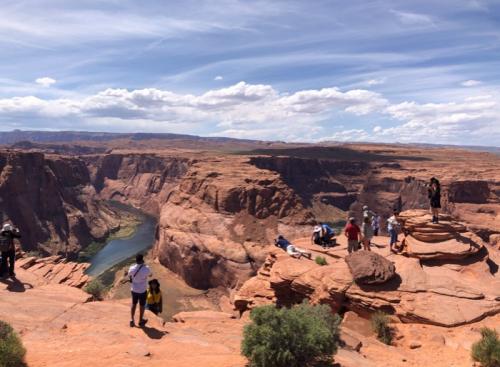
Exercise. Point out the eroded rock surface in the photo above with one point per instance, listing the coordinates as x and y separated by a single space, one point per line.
446 240
448 294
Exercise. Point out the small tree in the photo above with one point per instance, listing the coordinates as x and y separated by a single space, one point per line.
295 337
380 325
320 260
487 350
11 349
95 288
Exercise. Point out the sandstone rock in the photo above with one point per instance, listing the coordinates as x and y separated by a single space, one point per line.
446 240
368 267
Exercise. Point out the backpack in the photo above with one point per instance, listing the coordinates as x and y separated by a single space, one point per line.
5 243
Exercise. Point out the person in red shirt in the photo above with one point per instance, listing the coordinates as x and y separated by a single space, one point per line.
353 234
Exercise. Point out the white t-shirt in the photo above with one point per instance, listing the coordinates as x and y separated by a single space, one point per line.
139 277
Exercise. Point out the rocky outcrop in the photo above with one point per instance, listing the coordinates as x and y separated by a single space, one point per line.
447 239
369 267
56 270
435 293
52 201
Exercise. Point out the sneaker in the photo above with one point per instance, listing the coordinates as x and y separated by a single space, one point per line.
143 322
132 323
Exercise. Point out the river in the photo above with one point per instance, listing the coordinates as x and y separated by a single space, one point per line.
119 250
119 253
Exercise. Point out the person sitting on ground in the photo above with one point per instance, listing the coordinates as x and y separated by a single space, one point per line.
323 235
8 249
154 302
434 193
353 234
393 227
290 249
367 233
376 224
138 276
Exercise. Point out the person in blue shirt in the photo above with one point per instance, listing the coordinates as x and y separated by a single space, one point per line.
290 249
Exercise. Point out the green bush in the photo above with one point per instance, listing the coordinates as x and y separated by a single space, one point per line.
380 325
320 260
297 337
487 350
11 349
95 288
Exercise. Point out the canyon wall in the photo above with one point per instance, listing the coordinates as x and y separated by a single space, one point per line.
52 201
219 213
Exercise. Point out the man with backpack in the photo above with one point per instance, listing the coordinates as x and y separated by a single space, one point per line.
8 249
138 275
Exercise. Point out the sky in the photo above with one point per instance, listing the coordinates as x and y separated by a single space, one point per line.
382 71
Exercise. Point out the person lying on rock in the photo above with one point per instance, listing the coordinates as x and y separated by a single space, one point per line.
434 193
154 302
353 234
138 275
290 249
393 228
323 235
8 249
366 233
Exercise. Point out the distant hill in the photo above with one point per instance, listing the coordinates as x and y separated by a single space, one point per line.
15 136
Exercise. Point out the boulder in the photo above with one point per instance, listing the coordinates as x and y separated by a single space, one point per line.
368 267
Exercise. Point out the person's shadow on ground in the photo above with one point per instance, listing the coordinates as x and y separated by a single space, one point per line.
153 333
15 285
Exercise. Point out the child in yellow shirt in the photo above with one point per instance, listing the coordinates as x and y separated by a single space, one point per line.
154 301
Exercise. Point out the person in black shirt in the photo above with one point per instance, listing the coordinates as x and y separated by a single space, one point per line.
435 198
8 249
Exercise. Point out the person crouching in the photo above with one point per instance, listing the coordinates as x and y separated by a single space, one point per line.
154 302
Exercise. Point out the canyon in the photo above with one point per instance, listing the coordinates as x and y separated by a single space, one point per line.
219 207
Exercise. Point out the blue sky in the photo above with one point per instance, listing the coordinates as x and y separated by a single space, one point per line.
386 71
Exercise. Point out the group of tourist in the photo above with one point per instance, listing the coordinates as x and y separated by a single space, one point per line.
324 235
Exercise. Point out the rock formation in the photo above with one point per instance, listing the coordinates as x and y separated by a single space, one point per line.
441 291
369 267
53 203
56 270
445 240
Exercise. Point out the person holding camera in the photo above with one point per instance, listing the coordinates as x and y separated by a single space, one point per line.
8 249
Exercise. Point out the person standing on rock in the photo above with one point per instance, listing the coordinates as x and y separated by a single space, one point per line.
367 233
392 227
8 249
353 234
435 198
138 275
367 213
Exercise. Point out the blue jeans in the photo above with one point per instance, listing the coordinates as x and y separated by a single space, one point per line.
394 236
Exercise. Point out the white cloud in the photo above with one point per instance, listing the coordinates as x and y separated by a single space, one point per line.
413 19
471 83
218 77
260 111
378 81
45 81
